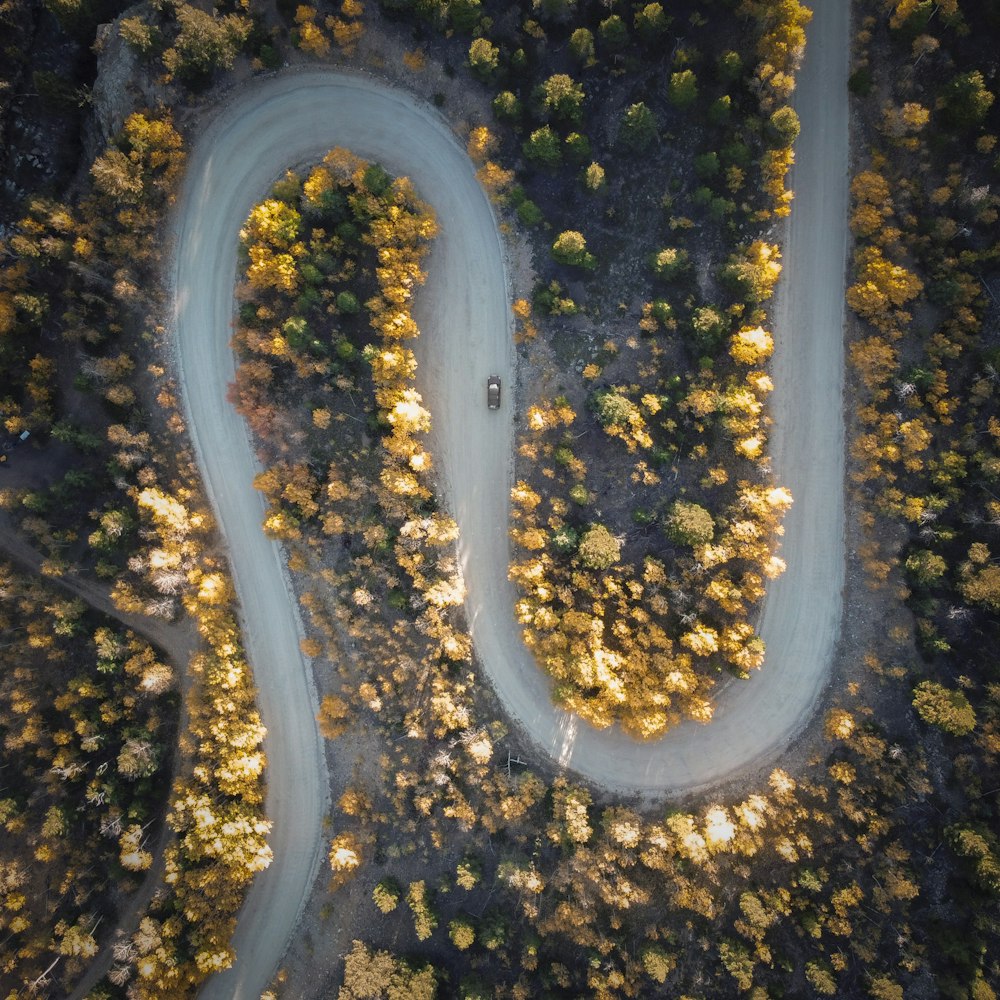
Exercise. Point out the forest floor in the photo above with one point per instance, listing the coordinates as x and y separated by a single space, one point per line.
384 54
330 922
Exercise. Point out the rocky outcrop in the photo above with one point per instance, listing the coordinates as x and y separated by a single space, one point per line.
123 85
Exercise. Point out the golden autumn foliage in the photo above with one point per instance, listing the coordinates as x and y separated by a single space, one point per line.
310 35
379 973
751 346
592 626
418 544
482 144
881 290
347 29
633 634
346 856
88 714
644 894
149 539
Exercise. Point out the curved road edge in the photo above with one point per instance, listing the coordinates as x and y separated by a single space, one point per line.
464 314
802 613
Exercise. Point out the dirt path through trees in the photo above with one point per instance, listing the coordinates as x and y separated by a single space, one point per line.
178 641
464 314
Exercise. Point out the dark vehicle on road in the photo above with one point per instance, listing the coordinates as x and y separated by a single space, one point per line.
493 392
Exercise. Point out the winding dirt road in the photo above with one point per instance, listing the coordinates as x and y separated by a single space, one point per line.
463 312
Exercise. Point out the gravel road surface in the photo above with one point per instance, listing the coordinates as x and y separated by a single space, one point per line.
463 311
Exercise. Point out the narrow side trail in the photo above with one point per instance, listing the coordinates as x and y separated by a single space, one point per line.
463 312
178 641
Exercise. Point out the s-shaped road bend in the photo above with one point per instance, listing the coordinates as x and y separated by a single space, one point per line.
464 315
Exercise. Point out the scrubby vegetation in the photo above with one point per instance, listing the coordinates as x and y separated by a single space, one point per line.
926 445
88 720
633 615
349 234
216 801
863 875
117 497
646 148
816 856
